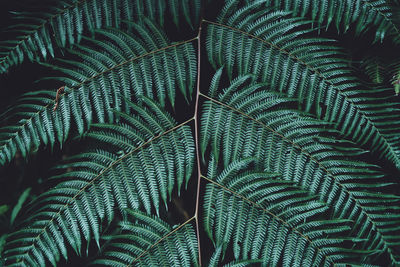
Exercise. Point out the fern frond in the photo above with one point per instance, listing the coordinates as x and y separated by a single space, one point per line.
271 46
302 154
216 258
246 120
95 183
148 241
241 204
360 15
103 75
394 73
375 68
34 125
63 24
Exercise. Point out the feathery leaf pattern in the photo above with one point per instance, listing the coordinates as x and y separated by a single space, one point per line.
201 133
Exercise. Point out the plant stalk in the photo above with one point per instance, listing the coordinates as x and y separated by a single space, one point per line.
196 132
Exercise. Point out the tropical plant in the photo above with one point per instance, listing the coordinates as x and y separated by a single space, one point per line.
189 133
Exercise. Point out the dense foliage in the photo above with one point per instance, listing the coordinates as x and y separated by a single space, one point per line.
189 132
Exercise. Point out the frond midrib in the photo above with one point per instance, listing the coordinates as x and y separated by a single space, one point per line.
307 66
376 229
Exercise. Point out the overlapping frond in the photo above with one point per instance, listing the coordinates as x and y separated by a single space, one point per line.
360 15
149 241
40 33
215 260
247 120
272 47
141 160
287 131
241 204
394 72
375 68
121 67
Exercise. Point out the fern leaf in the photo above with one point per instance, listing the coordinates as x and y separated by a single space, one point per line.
271 47
374 67
215 260
245 202
394 73
147 240
359 15
122 63
99 181
68 20
261 124
288 132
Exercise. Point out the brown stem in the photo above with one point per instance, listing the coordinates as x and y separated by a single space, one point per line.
196 133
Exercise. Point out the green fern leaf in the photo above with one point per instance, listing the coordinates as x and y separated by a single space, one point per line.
241 202
100 181
123 63
216 258
302 156
345 15
146 240
374 67
271 46
299 147
394 73
69 19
